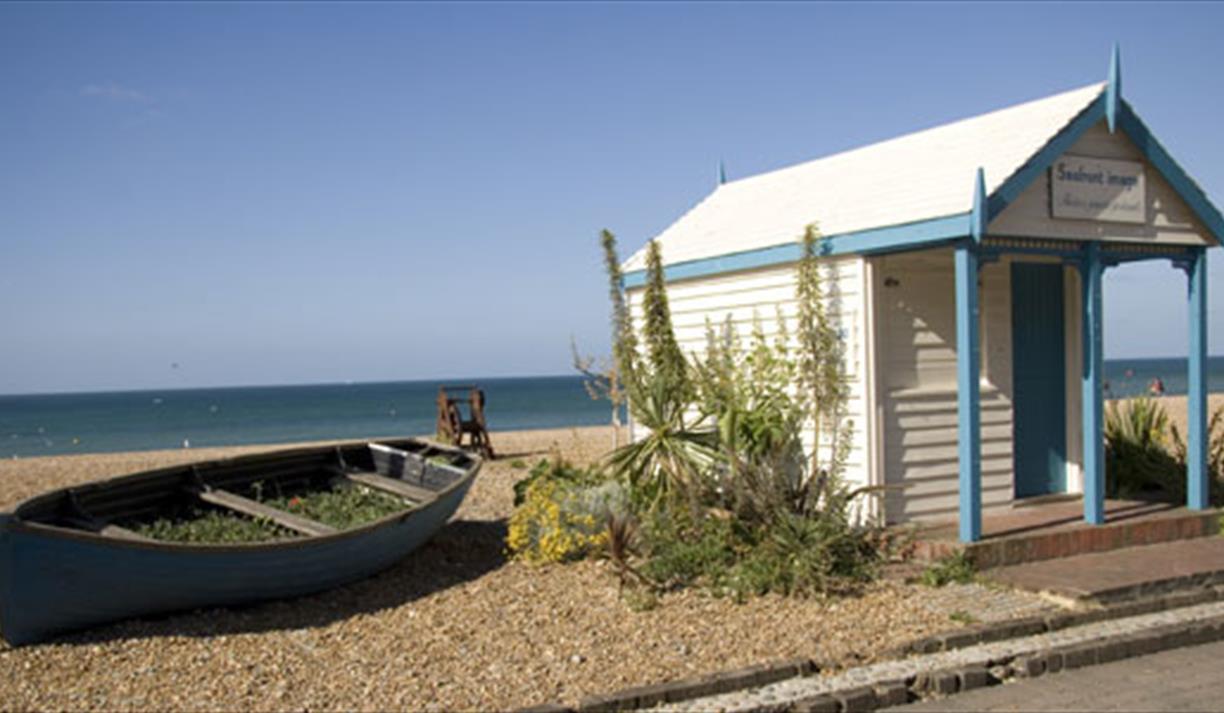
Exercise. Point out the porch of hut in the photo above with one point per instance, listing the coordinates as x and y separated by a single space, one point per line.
1051 253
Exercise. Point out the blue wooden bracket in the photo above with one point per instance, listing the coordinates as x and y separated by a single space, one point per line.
1113 92
979 218
1185 263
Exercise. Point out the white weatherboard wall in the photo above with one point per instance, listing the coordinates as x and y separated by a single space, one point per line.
760 294
916 304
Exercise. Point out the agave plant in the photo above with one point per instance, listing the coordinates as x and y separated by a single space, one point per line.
673 458
1215 453
1137 456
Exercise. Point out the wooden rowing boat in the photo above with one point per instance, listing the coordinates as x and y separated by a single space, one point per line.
72 558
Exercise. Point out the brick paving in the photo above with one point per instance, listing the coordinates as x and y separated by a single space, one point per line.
1059 515
1121 574
1179 680
1057 529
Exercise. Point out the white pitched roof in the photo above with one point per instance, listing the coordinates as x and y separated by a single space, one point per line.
928 174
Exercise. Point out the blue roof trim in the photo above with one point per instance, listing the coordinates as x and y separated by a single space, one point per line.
1181 182
863 242
1113 91
978 218
1016 184
1134 128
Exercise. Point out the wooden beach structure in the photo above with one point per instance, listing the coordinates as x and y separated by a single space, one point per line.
71 558
965 267
453 425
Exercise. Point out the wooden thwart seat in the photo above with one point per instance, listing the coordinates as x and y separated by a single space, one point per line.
246 506
115 531
415 493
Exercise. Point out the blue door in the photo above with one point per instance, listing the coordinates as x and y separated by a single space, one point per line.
1039 379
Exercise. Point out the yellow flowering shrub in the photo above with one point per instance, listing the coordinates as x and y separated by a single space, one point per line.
552 526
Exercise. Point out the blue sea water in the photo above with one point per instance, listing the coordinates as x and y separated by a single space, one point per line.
51 424
1131 377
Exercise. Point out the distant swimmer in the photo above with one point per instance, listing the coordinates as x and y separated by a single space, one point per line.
1156 388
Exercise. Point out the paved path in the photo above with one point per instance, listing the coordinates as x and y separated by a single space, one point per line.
1180 680
794 689
1106 576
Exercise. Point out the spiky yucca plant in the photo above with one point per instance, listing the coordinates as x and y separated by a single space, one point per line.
1138 460
675 453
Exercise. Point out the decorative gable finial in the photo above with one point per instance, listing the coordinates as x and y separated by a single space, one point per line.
978 218
1113 92
722 172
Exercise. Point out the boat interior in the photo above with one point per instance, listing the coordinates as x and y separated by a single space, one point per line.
411 470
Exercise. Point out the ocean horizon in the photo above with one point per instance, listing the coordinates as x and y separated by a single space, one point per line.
155 419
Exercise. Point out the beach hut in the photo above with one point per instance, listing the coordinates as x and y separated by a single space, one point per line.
965 263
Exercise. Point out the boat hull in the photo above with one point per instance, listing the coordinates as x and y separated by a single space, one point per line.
54 580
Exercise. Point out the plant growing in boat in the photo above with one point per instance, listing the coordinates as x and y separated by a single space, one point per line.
198 526
341 507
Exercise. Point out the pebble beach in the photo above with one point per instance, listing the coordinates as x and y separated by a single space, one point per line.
455 626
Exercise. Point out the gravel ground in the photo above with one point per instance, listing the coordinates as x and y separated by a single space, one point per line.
453 627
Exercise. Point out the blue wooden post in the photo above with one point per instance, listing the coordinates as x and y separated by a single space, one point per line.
967 403
1091 274
1198 494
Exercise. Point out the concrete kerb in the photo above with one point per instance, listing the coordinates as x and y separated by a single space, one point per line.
1027 626
685 689
951 681
943 682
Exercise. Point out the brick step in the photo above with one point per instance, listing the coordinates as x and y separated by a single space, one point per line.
1122 574
1019 544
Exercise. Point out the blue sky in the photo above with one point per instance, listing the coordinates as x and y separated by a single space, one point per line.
290 193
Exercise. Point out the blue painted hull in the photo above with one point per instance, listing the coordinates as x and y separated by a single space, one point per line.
54 580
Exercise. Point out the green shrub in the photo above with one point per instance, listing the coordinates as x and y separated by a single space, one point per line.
1215 454
681 549
1138 458
341 508
728 496
562 512
790 554
201 526
556 469
960 616
956 568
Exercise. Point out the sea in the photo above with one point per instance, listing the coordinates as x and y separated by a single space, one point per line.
99 422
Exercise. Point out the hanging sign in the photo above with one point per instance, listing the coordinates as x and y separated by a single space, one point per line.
1085 188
